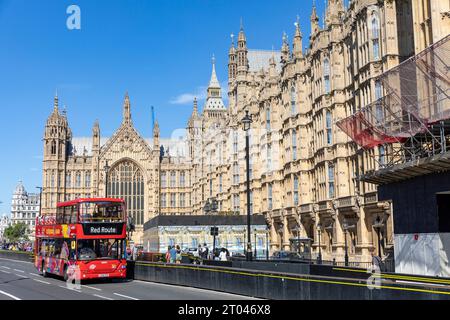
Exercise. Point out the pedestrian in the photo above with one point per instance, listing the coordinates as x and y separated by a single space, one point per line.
168 255
376 262
205 251
178 255
173 254
223 255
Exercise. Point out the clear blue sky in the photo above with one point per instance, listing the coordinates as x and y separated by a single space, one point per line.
157 50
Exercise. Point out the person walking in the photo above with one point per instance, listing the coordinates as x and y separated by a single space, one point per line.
168 254
376 262
223 255
178 255
173 254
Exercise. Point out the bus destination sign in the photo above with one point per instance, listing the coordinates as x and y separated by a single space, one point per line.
102 228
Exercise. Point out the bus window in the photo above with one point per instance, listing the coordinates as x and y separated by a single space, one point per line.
101 212
60 215
67 214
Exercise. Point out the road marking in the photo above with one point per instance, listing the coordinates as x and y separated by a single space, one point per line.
9 295
19 270
71 289
4 271
34 274
97 295
16 260
41 281
5 267
124 296
19 275
92 288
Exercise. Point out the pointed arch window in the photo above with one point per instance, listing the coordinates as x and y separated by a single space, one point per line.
268 111
326 75
329 129
293 101
295 190
127 182
330 181
294 144
375 38
68 180
53 147
78 179
87 180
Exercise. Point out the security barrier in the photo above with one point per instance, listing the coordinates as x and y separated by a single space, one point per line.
282 286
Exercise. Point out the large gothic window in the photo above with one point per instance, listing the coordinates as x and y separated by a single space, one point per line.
127 182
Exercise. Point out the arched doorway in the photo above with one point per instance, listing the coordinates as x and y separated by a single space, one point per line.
127 182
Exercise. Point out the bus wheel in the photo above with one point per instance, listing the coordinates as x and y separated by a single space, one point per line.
44 270
66 276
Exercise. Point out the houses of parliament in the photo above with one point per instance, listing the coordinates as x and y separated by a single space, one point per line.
303 169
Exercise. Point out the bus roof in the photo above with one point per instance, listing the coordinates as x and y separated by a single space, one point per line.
81 200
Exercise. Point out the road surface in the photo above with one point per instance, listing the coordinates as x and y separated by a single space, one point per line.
21 281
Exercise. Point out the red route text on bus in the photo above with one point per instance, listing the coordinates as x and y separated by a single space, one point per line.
85 239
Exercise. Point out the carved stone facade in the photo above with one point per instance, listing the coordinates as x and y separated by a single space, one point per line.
304 170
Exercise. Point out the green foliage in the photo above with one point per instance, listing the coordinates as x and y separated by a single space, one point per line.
17 232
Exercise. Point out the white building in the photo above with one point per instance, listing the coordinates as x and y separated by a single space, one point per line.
25 208
4 223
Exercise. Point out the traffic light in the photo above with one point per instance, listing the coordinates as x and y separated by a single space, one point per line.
214 231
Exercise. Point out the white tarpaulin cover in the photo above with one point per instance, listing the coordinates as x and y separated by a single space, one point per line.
422 254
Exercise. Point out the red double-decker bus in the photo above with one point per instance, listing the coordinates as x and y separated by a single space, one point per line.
85 239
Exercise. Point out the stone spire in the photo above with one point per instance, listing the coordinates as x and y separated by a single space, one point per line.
214 83
156 136
314 19
195 109
214 98
126 110
297 44
96 137
56 103
285 53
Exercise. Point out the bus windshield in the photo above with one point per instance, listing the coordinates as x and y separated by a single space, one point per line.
100 249
101 212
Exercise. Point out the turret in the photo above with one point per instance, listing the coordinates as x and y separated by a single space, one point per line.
96 137
242 51
232 64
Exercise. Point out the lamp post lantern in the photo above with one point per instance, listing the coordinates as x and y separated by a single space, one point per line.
106 168
345 227
319 231
246 122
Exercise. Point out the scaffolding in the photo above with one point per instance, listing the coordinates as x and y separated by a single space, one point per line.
413 118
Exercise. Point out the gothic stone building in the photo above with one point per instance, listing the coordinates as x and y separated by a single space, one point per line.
303 169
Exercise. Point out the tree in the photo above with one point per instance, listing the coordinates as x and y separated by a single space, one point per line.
16 232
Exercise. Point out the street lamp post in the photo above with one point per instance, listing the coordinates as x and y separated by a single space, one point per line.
267 244
378 226
246 122
345 227
255 244
40 200
319 231
106 168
